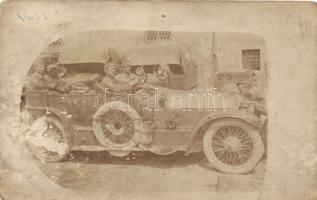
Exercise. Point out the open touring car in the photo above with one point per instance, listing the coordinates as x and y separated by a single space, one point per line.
162 120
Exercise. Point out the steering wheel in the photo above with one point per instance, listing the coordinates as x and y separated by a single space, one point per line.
138 86
143 80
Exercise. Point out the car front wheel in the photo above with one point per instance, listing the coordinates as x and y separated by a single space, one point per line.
233 146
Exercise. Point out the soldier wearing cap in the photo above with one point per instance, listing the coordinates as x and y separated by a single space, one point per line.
54 81
109 81
45 78
163 75
125 74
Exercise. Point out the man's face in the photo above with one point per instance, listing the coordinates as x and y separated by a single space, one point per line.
40 69
53 73
139 71
126 68
110 69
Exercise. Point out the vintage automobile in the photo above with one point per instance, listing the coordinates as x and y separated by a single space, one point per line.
159 120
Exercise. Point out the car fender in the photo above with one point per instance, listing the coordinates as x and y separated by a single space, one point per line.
202 125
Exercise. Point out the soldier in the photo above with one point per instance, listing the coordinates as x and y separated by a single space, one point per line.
125 75
163 75
54 81
37 80
109 81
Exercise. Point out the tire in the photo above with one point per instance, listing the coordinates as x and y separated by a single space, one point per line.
47 140
233 146
116 126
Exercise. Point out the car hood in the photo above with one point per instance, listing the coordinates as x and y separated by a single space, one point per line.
202 99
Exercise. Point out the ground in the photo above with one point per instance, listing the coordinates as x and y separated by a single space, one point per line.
149 176
96 176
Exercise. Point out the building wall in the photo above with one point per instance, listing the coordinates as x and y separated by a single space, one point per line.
229 53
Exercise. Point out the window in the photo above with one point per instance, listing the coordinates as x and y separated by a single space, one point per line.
158 35
251 59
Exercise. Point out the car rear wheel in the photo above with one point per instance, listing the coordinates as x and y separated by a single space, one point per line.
47 139
233 146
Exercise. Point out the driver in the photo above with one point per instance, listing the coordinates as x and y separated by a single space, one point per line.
163 75
109 81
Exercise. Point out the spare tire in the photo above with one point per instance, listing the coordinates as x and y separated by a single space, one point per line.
47 139
116 125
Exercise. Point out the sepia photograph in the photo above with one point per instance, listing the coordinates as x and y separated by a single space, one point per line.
158 93
156 112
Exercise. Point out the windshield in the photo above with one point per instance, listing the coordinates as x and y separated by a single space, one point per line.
150 69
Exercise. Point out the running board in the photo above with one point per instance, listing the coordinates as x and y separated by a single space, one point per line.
101 148
77 127
152 149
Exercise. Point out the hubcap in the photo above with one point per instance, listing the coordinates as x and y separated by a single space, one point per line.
232 144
